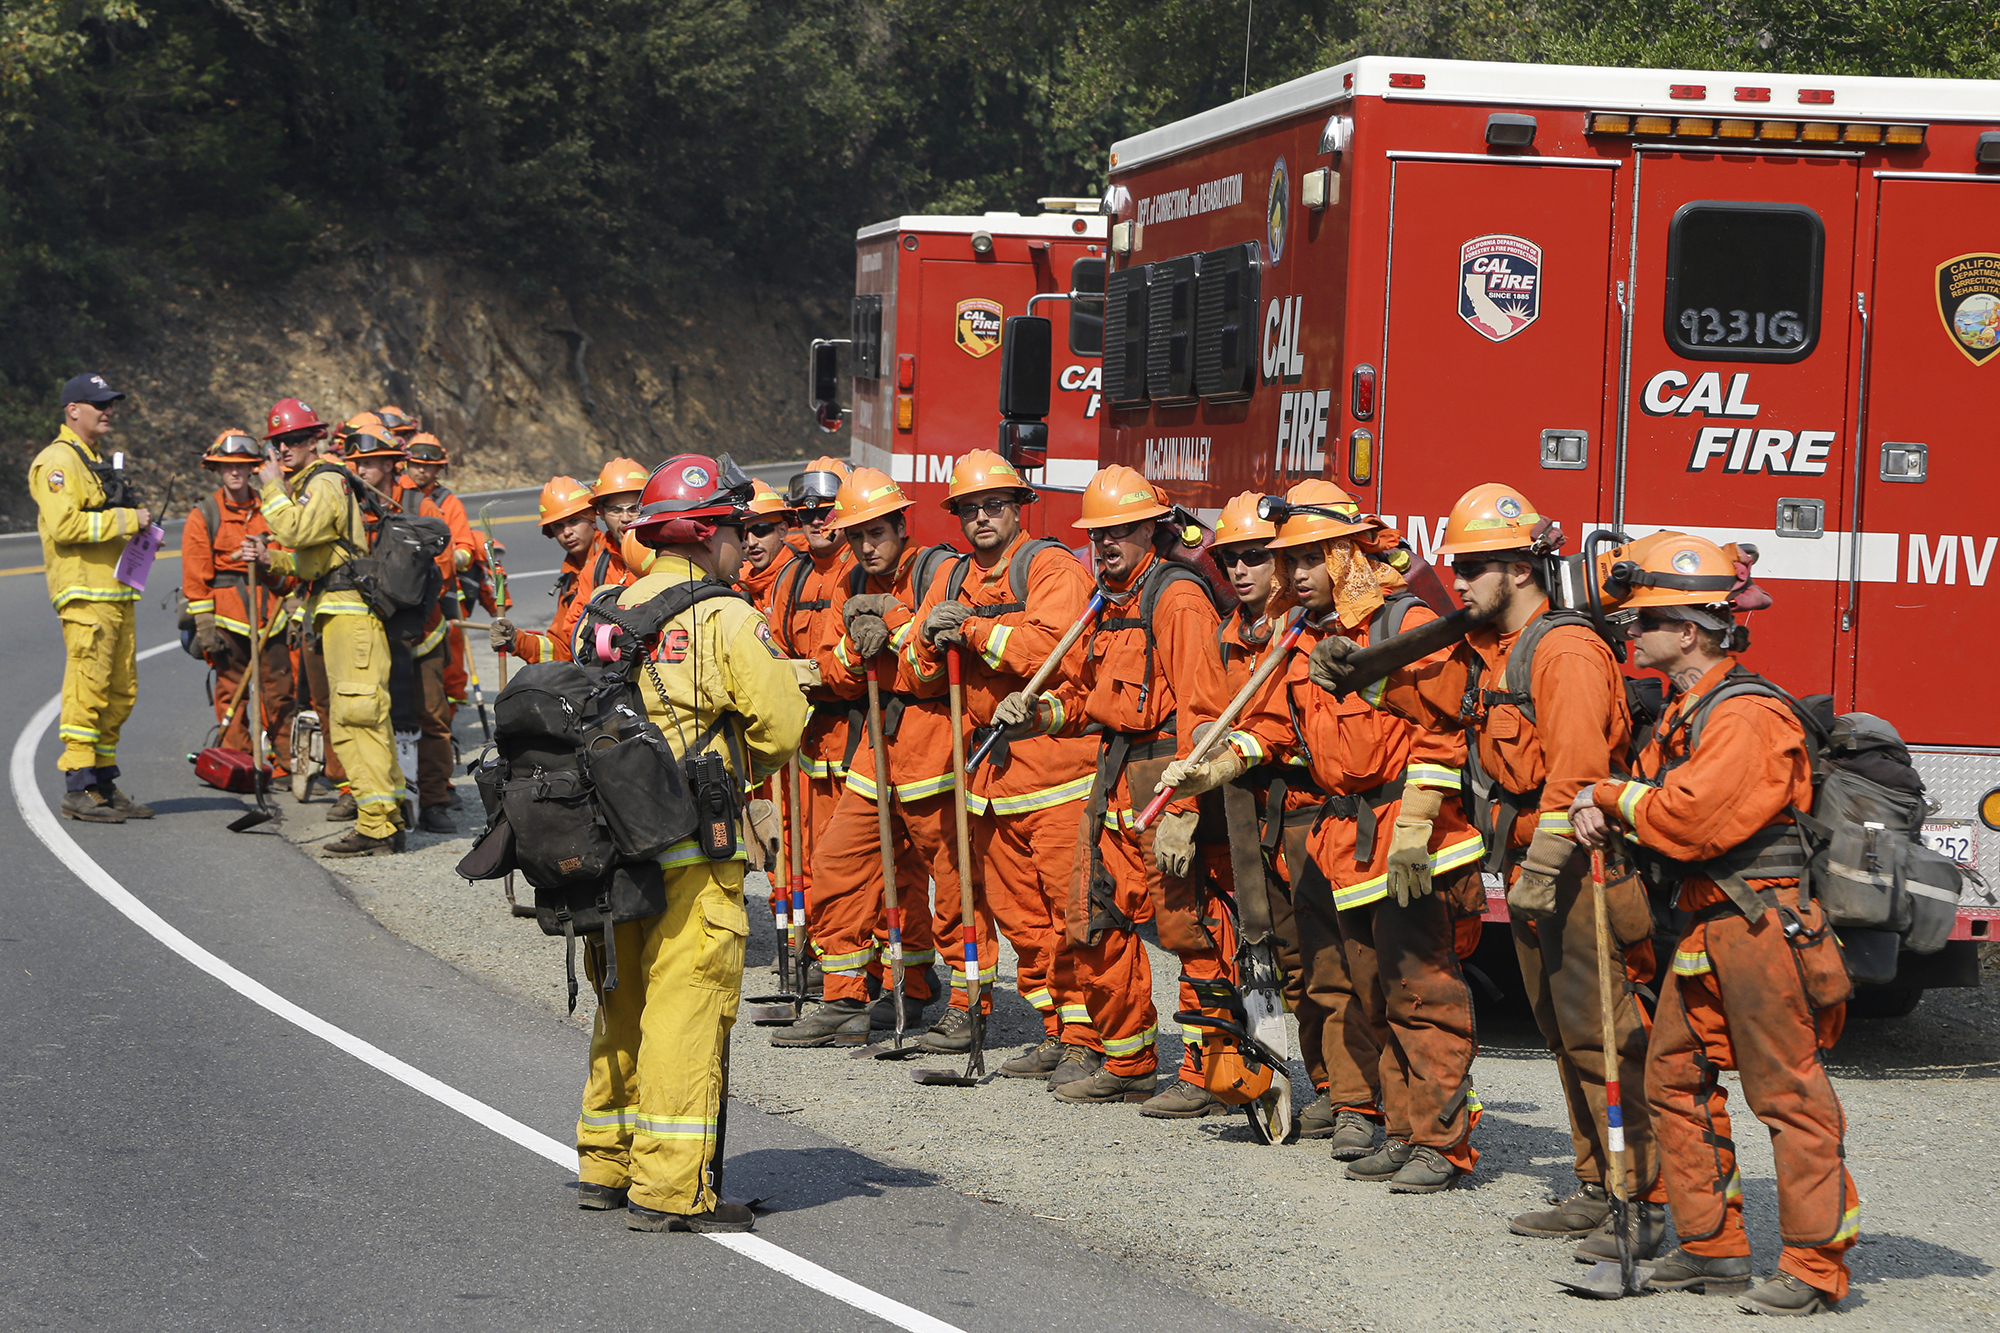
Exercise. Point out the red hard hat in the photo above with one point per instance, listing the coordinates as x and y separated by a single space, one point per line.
288 415
687 495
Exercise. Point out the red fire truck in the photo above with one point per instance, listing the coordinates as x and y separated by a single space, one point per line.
1754 307
924 351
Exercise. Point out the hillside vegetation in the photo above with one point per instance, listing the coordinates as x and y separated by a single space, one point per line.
643 159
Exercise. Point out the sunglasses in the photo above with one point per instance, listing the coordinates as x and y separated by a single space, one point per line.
1256 557
764 529
990 508
1472 569
813 513
1119 533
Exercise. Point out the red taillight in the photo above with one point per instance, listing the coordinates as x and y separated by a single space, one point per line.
1687 92
1816 96
1406 80
906 370
1362 400
1753 94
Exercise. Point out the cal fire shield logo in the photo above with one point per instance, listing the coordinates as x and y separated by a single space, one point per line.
1277 212
979 322
1969 303
1499 285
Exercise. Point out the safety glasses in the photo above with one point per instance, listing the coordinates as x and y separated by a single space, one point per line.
1119 533
764 529
989 508
1256 557
630 509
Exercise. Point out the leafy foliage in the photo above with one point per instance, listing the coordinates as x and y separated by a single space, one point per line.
615 144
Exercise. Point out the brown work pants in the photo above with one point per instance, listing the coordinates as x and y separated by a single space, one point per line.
1558 960
1421 1009
1735 999
1339 1040
275 689
434 742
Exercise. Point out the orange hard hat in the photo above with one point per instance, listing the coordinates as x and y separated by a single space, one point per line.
1238 522
1117 495
621 476
765 499
427 448
1317 511
1494 517
984 470
638 556
397 420
817 484
867 494
1706 582
233 446
562 497
366 437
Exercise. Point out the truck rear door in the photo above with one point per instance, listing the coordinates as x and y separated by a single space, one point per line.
1739 401
1499 335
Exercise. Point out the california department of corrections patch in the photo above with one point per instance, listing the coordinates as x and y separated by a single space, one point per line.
1968 292
770 644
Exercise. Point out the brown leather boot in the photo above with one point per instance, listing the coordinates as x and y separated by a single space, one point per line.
1578 1215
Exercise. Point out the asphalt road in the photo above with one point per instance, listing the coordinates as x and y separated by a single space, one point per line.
180 1155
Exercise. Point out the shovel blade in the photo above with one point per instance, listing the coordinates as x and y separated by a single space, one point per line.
1604 1282
942 1078
250 819
878 1051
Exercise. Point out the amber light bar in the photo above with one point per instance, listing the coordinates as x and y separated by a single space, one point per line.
1794 131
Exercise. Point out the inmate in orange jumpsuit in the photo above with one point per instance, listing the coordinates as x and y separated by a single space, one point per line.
215 580
1737 998
452 510
851 934
1024 802
1157 710
1405 1003
598 567
761 587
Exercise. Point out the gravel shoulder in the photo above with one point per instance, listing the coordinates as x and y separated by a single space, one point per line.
1279 1230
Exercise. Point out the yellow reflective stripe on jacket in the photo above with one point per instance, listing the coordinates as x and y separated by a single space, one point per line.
619 1118
83 592
688 852
1374 694
864 786
1449 857
819 768
674 1126
205 604
427 644
77 733
987 971
1042 799
233 626
1121 1046
844 964
1433 775
1555 821
996 645
1692 962
1074 1013
1850 1224
1246 745
1041 999
1628 801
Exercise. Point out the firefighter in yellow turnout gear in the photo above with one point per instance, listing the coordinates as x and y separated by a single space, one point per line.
650 1135
84 528
313 513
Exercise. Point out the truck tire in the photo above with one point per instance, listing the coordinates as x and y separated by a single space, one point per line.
1884 1001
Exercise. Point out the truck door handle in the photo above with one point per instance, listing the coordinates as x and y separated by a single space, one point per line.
1905 462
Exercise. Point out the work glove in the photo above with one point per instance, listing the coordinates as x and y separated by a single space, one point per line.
461 559
941 625
209 641
869 634
1187 777
1533 895
1410 844
500 636
1173 842
877 604
1327 667
766 834
1019 715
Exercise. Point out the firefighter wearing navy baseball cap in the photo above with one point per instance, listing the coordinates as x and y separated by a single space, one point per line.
86 515
650 1135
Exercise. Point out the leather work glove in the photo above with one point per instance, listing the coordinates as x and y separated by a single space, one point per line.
1189 778
1410 845
1534 893
877 604
766 834
941 625
209 641
1019 715
1173 842
461 559
500 636
868 633
1327 666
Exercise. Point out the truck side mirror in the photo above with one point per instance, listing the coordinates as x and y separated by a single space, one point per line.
823 373
1025 368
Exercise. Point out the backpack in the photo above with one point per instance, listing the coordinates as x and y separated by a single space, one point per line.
1017 579
921 572
398 573
581 790
1859 850
1152 584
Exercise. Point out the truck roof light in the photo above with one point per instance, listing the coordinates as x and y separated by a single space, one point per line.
1906 134
1736 129
1862 134
982 243
1694 127
1059 203
1653 125
1816 96
1406 80
1819 131
1508 129
1753 94
1687 92
1778 129
1608 122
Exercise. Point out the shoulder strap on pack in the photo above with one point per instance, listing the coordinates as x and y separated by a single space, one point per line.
1387 622
1519 678
603 568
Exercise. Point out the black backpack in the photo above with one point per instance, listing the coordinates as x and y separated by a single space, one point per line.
398 574
580 788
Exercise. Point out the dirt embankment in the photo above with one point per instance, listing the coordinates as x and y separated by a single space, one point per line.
519 385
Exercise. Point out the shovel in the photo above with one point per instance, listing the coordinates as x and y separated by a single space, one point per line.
782 1008
896 1051
975 1064
1608 1280
263 814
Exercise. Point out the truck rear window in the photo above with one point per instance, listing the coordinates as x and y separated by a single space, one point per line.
1743 281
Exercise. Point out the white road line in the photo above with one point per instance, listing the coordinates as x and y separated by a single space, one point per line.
42 820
